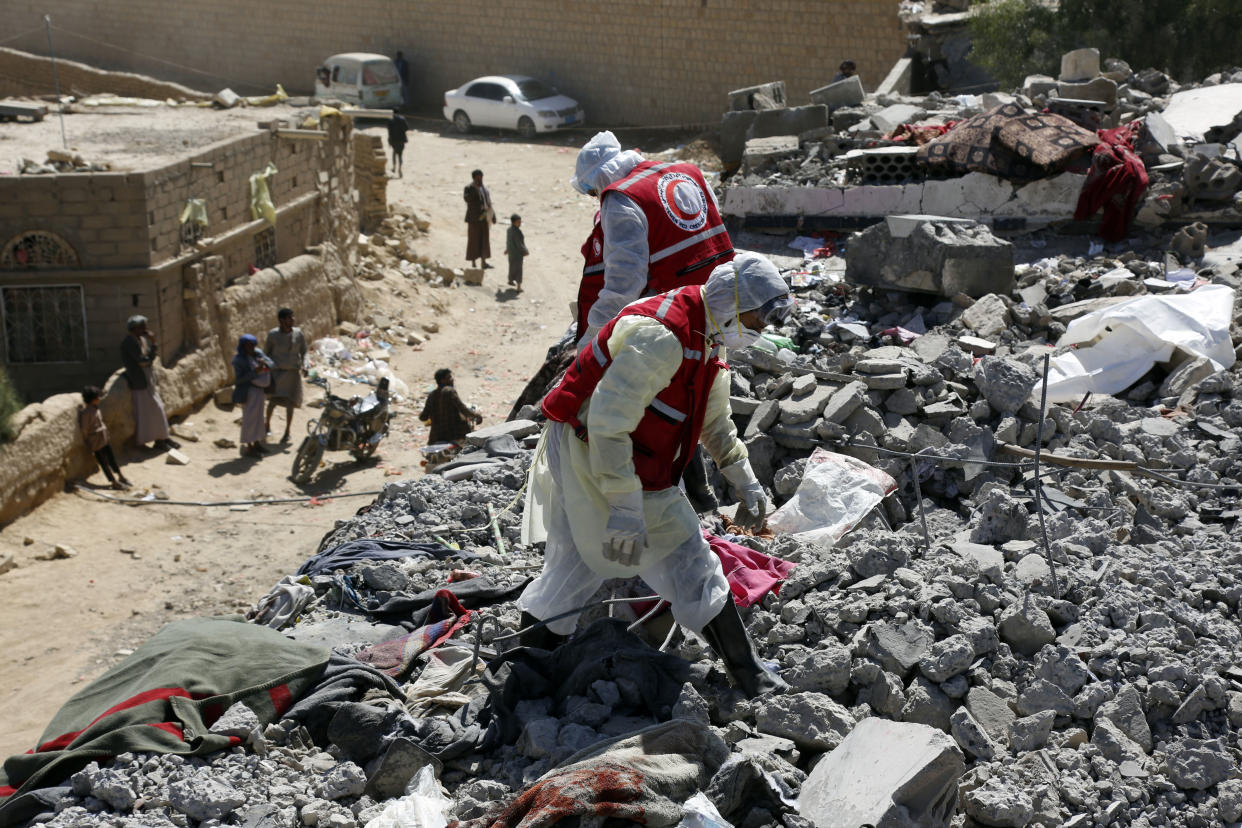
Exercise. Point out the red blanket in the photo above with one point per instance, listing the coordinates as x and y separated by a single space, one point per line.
1116 182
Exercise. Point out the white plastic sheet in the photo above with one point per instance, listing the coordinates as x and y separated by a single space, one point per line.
700 812
423 806
1121 343
836 492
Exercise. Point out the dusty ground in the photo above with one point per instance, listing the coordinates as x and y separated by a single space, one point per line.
67 620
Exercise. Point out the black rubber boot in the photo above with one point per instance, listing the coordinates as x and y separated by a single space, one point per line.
728 637
540 638
698 490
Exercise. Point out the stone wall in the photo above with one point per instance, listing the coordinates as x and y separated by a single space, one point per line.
628 61
25 75
48 449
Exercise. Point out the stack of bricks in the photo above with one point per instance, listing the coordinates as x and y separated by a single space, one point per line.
371 179
883 165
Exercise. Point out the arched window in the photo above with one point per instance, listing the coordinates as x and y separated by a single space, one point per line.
38 249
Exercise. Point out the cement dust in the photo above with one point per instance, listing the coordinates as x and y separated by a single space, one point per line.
67 620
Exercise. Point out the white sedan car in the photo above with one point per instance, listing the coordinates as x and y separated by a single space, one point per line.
510 102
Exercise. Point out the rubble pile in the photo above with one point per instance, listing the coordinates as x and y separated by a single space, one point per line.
390 252
1188 137
60 161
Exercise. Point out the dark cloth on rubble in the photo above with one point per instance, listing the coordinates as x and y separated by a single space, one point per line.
1009 142
603 651
344 680
374 549
416 609
1116 182
396 657
558 360
165 697
642 777
748 780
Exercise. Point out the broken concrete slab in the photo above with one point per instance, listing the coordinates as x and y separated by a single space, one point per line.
761 153
939 257
885 773
848 92
1099 89
769 95
1194 112
736 128
1080 65
517 429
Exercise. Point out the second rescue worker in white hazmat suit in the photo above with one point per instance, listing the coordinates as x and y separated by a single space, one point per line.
622 424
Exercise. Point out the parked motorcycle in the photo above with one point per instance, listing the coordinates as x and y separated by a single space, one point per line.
356 425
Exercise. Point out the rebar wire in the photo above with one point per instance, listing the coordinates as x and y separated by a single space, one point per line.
646 616
1039 503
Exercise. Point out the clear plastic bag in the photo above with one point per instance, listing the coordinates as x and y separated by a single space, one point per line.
423 806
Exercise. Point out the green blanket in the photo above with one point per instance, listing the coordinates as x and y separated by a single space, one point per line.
164 699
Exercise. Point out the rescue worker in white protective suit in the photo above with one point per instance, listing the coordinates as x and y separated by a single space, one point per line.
623 422
658 228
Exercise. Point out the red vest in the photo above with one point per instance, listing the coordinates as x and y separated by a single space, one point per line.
592 273
669 430
686 237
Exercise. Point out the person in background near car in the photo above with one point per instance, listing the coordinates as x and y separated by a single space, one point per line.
449 417
95 434
403 72
397 129
480 215
285 346
137 357
847 69
252 373
515 249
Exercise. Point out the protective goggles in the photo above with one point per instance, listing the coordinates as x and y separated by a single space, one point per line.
776 310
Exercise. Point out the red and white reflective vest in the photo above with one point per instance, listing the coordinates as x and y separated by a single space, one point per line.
592 273
669 430
686 238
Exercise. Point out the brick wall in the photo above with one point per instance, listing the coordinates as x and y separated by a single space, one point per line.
628 61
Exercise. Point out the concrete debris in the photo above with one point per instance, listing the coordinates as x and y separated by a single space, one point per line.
931 254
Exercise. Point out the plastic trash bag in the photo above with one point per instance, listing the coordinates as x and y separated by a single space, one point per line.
1121 343
836 492
195 210
423 806
276 97
701 813
261 205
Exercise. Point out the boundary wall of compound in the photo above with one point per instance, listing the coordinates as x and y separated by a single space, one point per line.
634 62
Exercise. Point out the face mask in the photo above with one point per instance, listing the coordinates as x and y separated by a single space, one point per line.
734 335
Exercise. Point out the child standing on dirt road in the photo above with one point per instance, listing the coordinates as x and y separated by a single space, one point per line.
515 249
95 435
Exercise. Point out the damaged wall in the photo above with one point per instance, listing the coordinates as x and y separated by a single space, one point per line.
48 449
668 70
24 74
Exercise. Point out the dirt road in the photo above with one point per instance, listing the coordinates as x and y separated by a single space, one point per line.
136 568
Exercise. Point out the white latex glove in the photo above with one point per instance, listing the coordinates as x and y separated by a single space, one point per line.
753 509
625 536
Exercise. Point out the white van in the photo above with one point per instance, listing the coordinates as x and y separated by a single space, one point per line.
361 78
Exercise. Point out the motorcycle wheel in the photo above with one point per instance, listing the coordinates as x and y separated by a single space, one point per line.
306 461
364 451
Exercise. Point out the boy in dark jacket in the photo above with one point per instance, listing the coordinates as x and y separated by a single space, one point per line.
515 249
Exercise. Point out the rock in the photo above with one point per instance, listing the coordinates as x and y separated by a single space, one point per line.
1041 694
1031 732
927 704
812 720
825 670
991 711
998 803
988 317
689 705
174 457
844 402
795 411
847 92
1080 65
891 117
1005 383
885 774
1193 707
1062 666
1195 764
239 720
897 649
1126 711
881 555
1115 745
517 429
931 254
761 153
1026 628
577 736
202 796
971 737
1000 518
346 779
538 738
113 788
947 658
764 418
1229 801
989 560
394 770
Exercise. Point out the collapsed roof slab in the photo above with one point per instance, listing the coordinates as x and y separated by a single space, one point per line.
1193 112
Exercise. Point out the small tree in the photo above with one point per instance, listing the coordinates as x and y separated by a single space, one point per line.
10 404
1015 38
